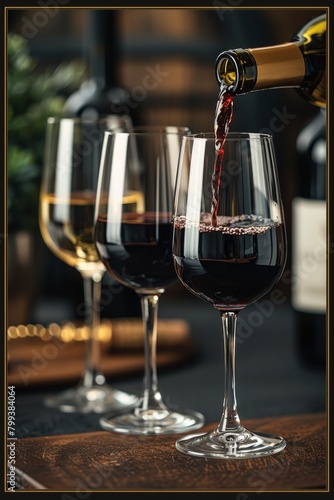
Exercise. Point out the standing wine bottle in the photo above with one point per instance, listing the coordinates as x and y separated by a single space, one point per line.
308 291
300 63
102 93
99 96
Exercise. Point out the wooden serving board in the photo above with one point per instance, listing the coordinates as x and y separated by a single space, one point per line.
100 461
33 361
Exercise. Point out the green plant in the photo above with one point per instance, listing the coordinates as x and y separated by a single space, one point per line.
32 96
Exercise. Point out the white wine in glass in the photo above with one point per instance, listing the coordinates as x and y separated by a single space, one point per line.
67 204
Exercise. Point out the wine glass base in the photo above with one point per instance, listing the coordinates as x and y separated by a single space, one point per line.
239 443
153 422
96 399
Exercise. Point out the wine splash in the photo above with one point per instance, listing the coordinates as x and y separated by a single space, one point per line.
223 117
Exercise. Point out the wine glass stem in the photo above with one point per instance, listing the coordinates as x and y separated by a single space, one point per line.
92 294
151 396
230 418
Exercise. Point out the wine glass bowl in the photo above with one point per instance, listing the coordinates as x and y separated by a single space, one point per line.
133 235
66 217
229 249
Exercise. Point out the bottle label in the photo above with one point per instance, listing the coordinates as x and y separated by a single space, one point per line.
309 255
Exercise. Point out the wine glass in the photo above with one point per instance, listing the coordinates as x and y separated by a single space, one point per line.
229 249
133 236
67 201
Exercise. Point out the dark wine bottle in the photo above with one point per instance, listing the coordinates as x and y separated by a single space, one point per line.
102 93
300 63
99 96
308 288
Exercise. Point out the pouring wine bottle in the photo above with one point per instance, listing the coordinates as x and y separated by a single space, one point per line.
299 64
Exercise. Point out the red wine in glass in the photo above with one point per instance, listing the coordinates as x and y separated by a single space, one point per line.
133 236
229 257
236 264
144 257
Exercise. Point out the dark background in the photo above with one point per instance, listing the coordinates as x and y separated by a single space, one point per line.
184 43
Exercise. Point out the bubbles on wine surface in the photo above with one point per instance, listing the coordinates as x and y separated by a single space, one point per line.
236 225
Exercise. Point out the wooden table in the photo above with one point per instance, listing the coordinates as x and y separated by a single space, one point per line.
104 461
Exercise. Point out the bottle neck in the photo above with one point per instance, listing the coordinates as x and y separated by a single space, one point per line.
246 70
103 49
278 66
